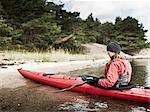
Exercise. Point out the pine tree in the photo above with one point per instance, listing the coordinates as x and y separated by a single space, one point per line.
130 34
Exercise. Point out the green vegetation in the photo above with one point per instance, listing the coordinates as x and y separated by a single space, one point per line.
48 56
41 25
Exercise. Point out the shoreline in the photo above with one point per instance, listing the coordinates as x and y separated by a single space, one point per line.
6 63
10 77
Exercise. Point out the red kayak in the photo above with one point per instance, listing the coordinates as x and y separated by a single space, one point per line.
64 81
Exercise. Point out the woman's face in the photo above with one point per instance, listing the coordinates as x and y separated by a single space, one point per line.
111 53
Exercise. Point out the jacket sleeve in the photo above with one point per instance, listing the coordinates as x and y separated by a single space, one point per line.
106 69
111 77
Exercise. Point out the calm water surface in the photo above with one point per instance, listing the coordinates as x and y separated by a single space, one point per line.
38 97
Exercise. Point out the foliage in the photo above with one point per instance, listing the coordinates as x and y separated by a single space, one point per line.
7 34
107 32
41 32
42 25
130 34
20 11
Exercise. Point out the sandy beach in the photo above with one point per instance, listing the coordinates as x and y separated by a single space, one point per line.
10 78
20 94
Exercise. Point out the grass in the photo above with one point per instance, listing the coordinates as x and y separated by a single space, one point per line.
49 56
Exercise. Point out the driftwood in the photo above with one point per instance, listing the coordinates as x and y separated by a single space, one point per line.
62 40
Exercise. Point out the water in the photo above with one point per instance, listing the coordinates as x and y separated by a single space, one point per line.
37 97
141 72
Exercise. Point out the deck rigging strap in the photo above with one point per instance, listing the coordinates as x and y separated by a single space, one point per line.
71 87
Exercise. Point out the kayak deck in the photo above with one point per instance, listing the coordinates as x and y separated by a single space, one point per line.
64 81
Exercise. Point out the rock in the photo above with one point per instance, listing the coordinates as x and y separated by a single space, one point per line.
4 67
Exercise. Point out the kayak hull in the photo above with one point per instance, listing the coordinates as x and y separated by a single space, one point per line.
64 81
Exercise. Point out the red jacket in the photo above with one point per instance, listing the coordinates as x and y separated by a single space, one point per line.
113 71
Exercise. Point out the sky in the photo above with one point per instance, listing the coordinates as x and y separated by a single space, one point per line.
108 10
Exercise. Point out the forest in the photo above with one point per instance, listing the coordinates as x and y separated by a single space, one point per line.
42 25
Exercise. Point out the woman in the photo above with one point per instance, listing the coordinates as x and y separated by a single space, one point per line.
117 72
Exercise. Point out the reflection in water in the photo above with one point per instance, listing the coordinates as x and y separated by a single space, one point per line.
141 72
147 80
